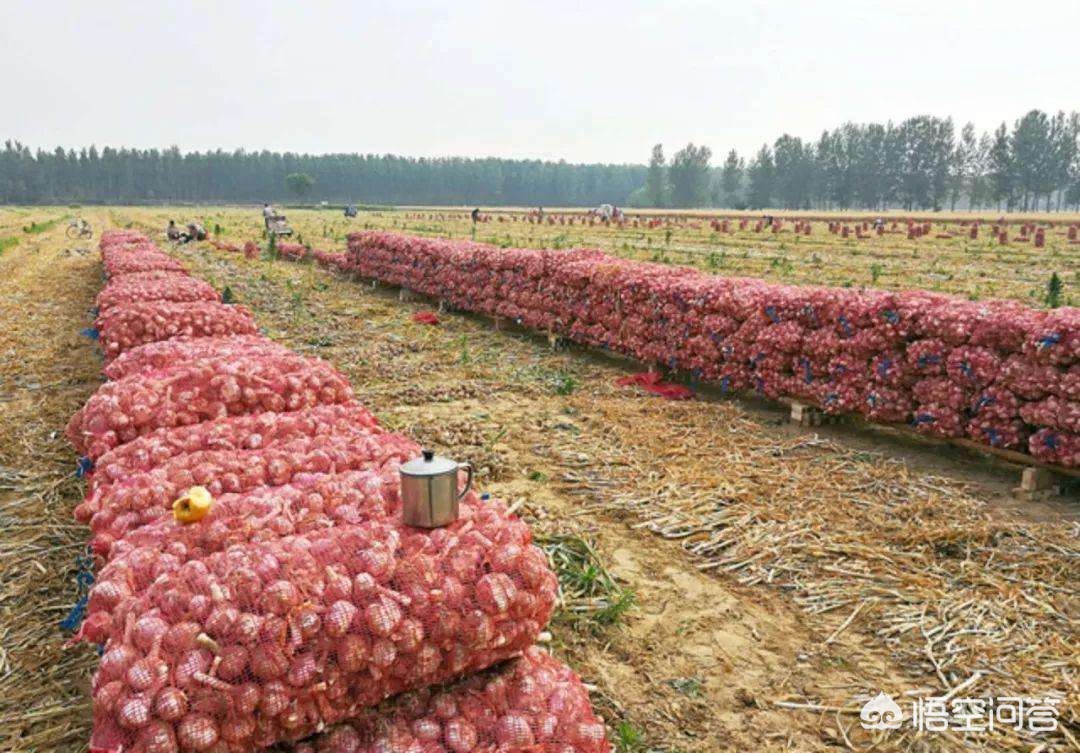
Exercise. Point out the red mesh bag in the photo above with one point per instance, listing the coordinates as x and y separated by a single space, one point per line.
1053 413
270 642
972 366
312 503
199 391
1031 380
292 251
250 432
997 433
995 404
125 505
126 326
133 257
927 357
940 391
532 704
839 343
887 405
176 287
1056 339
938 420
164 354
1057 447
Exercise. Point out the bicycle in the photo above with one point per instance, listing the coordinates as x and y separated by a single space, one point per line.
79 229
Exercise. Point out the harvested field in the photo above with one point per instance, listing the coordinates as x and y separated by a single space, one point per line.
730 581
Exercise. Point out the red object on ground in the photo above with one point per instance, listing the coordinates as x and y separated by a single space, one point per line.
650 381
425 317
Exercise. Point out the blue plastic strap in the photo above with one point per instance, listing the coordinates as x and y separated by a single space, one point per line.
890 316
83 466
770 311
725 384
90 332
74 618
846 326
1047 340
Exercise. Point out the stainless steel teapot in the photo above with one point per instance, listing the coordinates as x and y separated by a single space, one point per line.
429 492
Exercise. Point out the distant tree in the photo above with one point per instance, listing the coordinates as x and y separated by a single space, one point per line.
299 184
731 177
1030 143
962 166
1065 149
794 168
656 186
761 175
1002 174
688 176
980 188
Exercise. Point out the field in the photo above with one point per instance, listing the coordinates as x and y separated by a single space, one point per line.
730 581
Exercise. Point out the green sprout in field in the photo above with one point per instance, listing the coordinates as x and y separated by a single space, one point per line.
590 595
628 739
875 272
1053 291
565 384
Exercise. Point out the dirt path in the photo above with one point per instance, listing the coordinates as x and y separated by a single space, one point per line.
48 372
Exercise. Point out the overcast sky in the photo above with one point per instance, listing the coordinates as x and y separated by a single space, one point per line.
591 81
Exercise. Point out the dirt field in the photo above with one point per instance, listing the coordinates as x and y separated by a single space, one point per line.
766 580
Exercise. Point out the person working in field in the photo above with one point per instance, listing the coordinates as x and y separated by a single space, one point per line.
268 214
476 215
172 232
195 232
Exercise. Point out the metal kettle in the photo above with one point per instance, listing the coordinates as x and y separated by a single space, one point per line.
429 493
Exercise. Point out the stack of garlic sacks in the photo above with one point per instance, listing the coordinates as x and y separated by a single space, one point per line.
256 584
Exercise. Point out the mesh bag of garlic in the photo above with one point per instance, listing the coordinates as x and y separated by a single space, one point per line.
532 704
201 390
268 642
174 286
123 506
243 432
844 350
128 325
128 254
145 359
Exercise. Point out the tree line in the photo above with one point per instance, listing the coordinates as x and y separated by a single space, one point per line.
125 176
921 163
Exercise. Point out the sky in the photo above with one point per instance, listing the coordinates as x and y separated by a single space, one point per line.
591 81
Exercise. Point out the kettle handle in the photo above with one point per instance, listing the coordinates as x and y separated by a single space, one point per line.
468 479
